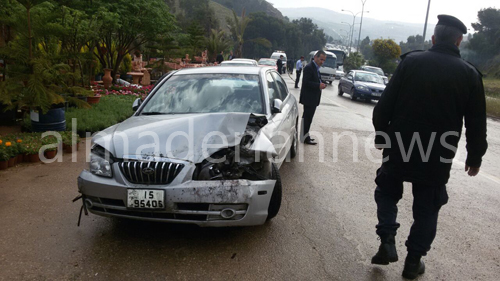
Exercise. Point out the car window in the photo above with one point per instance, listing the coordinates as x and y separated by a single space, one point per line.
349 76
368 77
283 90
199 93
273 89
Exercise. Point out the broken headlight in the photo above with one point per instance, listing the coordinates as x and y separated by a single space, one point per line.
100 162
227 164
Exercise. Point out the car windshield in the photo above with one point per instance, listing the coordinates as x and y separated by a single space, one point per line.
330 62
375 70
200 93
267 62
368 77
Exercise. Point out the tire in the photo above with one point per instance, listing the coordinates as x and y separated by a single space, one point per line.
295 146
275 203
340 92
330 82
353 94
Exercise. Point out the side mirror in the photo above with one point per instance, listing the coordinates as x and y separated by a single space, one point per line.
136 104
276 108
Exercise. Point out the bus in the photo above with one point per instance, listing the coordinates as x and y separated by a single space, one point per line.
340 62
329 67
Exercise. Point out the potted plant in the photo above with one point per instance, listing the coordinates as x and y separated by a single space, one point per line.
70 140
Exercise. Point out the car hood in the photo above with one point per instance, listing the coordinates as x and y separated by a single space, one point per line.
191 137
371 85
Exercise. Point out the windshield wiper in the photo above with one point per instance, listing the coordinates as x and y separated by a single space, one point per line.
153 113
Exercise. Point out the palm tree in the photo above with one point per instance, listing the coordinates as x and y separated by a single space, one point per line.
237 27
216 42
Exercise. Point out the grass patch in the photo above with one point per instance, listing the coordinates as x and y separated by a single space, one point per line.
109 111
492 91
492 87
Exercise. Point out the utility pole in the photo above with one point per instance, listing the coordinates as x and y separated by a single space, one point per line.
425 25
361 24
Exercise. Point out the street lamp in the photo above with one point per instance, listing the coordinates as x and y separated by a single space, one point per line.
361 24
352 32
349 33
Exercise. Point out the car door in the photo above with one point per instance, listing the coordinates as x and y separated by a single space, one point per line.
347 82
288 125
277 120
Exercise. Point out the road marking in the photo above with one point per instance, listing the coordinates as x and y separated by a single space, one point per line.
481 173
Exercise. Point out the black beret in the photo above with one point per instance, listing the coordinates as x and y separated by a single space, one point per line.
452 21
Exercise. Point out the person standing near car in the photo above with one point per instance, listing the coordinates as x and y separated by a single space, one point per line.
279 64
426 101
310 93
298 71
220 57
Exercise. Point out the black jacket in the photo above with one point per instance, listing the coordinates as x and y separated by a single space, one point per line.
310 93
427 99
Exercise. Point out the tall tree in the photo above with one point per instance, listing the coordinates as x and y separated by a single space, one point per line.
385 52
486 41
128 25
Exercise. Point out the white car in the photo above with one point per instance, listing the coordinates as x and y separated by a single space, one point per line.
240 62
205 148
254 62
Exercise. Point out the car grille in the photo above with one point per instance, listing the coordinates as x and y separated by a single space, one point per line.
377 91
150 172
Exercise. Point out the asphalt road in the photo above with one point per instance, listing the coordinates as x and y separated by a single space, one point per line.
324 231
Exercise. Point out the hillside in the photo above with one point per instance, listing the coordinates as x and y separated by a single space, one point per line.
331 22
221 13
251 6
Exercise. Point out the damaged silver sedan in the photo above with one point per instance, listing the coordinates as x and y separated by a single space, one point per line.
204 147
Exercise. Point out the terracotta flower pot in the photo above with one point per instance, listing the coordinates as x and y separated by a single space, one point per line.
107 79
4 165
93 100
69 148
49 154
33 158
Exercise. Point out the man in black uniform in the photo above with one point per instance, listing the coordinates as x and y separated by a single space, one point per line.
279 64
424 103
310 94
220 57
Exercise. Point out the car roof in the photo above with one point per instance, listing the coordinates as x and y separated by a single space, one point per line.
238 62
241 59
364 71
220 70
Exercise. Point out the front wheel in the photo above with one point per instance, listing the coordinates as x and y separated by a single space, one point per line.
353 94
275 203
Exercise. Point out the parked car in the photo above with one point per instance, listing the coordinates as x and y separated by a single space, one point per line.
235 62
377 70
268 62
205 148
254 62
362 84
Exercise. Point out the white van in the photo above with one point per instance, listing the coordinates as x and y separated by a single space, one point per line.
328 70
276 55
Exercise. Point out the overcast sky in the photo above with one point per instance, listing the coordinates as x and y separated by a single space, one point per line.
413 11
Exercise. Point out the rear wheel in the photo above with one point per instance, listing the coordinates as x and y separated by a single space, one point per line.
353 94
275 203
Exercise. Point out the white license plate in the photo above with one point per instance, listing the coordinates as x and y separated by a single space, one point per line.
146 199
377 94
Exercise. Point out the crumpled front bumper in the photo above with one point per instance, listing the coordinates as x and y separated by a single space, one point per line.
204 203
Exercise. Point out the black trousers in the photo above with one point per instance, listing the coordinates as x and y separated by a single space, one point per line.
307 118
298 72
427 201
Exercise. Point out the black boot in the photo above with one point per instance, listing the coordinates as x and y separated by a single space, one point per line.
413 267
387 251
